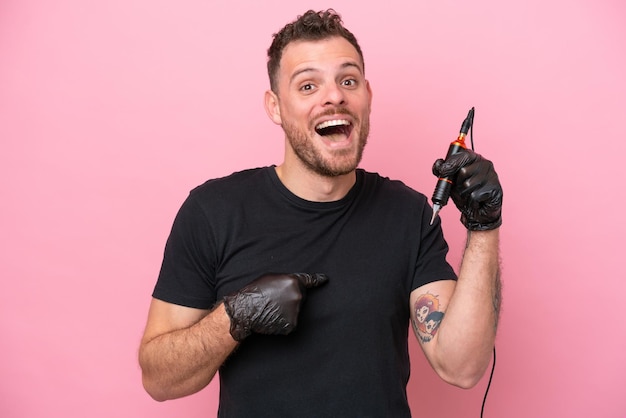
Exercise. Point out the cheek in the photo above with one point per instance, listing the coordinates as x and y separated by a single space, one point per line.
298 115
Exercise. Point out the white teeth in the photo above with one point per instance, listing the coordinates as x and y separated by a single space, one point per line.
330 123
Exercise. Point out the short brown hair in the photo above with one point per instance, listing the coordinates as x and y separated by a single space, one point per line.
311 26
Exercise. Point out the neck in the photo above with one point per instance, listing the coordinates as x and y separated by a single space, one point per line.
312 186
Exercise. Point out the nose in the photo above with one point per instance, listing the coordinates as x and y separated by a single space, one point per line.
334 95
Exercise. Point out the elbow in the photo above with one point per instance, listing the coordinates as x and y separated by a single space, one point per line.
154 390
463 382
160 392
463 377
155 387
163 390
462 371
152 384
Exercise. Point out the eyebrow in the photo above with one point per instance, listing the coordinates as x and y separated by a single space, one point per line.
349 64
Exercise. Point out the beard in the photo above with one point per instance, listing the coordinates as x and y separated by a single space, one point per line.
339 162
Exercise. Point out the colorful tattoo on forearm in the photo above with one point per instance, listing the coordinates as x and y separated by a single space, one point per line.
427 317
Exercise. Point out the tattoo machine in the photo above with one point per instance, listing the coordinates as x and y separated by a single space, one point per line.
444 184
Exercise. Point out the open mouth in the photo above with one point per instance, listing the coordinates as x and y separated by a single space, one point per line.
334 127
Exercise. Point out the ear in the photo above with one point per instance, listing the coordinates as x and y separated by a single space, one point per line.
369 92
272 107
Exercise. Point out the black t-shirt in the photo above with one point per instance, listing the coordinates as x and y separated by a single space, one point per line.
349 354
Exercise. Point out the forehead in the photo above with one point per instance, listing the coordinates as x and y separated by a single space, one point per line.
318 55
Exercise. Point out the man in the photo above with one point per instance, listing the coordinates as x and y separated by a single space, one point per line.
297 282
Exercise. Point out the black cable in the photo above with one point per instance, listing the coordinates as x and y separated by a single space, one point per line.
493 367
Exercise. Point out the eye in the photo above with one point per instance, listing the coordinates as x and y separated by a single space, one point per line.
307 88
350 82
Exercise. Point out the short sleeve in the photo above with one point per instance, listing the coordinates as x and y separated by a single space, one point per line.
431 264
188 269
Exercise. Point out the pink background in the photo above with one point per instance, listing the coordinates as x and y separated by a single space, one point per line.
111 111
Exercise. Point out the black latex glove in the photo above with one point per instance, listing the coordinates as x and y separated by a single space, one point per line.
476 190
269 304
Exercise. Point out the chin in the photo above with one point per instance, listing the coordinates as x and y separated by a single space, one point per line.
336 170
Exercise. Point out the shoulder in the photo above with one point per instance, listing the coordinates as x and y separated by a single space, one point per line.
225 193
387 188
244 178
240 184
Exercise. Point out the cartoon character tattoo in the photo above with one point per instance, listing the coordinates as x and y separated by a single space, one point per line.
427 317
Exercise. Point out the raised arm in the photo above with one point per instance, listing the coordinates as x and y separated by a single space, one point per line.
456 323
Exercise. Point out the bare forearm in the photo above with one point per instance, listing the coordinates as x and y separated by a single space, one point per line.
467 333
184 361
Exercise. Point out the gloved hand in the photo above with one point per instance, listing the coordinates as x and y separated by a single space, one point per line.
476 190
269 304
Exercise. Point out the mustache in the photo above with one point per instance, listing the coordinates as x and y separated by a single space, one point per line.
331 112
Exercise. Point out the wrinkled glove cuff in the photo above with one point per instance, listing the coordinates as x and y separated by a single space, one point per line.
238 329
478 226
